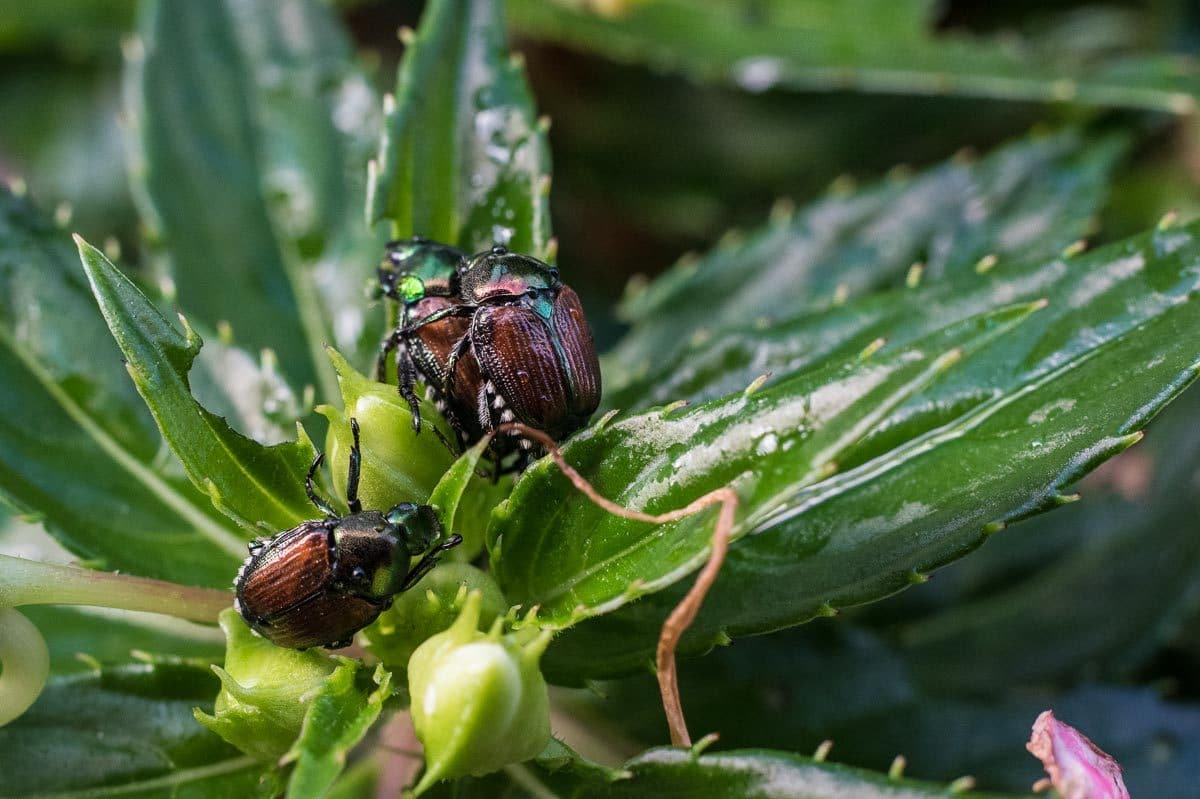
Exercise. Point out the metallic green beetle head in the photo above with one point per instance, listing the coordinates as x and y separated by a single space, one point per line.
416 268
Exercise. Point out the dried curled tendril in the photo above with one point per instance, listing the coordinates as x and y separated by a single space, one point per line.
685 612
24 658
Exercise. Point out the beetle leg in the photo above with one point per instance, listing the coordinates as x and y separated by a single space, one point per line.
355 470
406 371
385 349
321 504
460 347
430 560
437 316
445 441
494 408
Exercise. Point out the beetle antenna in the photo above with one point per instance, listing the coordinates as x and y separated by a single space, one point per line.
321 504
352 499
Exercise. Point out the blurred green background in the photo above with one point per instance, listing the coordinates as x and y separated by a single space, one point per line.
650 163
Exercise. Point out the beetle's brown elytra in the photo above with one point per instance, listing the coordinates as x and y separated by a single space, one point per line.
324 580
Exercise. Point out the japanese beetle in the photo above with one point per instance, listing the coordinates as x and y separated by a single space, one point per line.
324 580
531 344
501 340
422 276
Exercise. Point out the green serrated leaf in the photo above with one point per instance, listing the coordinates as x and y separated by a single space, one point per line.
463 159
338 718
770 446
743 774
1115 580
77 448
710 326
994 439
125 731
825 45
836 682
251 124
258 487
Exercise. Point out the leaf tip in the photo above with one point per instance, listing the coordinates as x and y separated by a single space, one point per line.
948 359
965 156
1128 441
605 419
731 239
194 342
674 406
872 348
915 273
986 264
757 383
1074 248
133 48
917 577
1182 103
962 785
704 743
842 185
783 210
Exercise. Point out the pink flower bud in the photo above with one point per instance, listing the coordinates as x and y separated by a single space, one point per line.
1078 768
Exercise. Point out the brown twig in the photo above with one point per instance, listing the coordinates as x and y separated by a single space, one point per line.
682 616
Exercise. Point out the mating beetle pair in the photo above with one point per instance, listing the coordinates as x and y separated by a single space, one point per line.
324 580
496 338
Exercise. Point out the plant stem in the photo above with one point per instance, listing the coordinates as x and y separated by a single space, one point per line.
29 582
24 658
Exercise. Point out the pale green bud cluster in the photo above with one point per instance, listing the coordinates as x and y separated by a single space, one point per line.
479 700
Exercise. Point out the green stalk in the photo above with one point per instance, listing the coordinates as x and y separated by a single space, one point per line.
24 657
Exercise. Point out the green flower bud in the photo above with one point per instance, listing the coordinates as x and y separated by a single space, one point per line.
479 701
265 690
398 465
429 608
